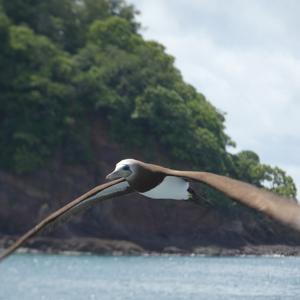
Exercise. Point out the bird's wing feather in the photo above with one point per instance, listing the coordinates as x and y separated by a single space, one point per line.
283 209
101 192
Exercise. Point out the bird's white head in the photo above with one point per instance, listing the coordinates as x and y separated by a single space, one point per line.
124 169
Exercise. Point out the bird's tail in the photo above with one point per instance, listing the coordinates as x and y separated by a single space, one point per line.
197 198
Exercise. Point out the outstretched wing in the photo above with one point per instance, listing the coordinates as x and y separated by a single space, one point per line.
101 192
283 209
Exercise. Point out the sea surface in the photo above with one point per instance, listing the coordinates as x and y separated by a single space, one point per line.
59 277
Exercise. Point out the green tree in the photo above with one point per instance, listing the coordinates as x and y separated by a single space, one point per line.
36 98
250 169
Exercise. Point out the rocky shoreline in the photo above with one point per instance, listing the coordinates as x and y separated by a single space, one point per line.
119 247
130 225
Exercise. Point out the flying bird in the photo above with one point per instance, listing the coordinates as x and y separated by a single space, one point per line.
158 182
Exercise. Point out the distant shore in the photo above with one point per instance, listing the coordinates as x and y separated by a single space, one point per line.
119 247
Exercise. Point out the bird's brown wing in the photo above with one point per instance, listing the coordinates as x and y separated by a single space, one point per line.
283 209
101 192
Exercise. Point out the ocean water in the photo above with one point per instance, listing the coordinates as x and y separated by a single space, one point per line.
62 277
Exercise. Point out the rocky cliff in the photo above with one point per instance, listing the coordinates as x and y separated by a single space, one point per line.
154 225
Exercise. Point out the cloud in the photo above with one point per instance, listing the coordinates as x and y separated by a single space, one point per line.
244 56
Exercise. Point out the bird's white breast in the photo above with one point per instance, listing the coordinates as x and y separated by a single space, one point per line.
170 188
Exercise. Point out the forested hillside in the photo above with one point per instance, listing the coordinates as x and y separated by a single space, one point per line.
63 63
68 68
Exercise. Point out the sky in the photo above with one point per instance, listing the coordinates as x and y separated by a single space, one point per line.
244 56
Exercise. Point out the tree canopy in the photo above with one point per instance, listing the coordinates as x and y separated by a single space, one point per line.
63 61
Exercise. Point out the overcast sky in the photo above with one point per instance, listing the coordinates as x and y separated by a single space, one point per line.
245 57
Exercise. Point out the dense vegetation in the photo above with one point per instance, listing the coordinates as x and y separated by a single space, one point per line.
65 62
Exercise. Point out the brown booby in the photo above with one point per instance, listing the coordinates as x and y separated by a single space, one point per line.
158 182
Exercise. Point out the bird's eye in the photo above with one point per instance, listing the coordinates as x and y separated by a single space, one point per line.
126 168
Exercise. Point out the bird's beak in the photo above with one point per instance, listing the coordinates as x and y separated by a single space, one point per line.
113 175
